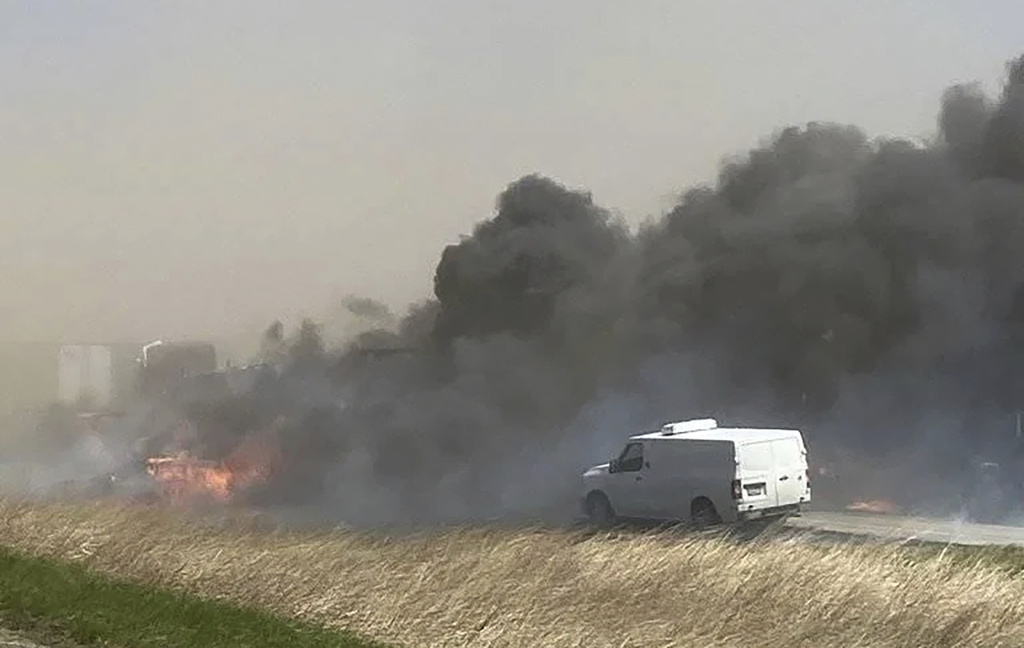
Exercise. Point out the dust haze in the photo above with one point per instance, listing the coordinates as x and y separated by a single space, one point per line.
174 171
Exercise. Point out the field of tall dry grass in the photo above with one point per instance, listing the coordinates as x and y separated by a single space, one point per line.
533 587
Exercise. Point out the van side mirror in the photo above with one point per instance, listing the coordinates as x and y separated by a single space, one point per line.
613 466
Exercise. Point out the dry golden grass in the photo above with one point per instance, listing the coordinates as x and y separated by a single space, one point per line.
544 588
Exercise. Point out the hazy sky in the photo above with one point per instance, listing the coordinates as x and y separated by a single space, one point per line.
184 168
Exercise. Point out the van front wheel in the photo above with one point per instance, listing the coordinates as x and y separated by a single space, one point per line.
703 513
599 509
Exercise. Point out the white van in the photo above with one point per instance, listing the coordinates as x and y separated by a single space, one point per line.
695 471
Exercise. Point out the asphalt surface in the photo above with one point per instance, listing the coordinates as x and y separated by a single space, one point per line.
899 527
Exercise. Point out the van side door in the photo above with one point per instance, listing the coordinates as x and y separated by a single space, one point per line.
681 470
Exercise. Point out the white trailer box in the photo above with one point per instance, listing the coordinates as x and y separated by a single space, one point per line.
697 472
85 374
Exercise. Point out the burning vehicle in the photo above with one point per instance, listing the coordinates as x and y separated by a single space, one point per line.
186 479
174 440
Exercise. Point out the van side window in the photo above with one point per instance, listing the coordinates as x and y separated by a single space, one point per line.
632 458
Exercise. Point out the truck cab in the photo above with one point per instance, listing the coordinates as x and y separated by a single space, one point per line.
696 472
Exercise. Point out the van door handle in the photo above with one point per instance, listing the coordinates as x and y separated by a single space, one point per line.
639 477
784 478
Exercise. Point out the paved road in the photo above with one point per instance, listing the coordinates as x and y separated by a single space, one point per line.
898 527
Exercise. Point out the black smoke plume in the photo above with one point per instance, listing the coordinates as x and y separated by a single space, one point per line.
871 291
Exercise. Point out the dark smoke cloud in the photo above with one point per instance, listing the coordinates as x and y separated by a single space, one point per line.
870 291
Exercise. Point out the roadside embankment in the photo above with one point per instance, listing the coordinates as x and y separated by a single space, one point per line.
490 587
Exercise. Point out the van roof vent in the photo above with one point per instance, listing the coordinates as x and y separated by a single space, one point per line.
695 425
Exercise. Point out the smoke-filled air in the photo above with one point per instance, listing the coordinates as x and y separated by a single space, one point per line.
870 292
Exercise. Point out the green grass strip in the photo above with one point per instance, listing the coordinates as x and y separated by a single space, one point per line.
65 603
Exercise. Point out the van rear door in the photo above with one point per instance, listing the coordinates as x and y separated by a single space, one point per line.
757 474
791 466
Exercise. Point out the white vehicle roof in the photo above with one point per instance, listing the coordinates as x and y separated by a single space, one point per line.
708 430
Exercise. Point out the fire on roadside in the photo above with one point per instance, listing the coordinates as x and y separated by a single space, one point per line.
184 478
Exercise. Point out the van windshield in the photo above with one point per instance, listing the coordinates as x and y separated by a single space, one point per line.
632 457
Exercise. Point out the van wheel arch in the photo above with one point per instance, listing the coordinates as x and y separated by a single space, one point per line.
599 508
703 512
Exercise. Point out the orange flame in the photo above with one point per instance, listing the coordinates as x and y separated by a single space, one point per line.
184 478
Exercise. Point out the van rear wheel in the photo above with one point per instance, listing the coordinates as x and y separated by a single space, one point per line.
703 513
599 509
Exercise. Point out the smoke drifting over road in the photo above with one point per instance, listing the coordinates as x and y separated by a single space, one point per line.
871 292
